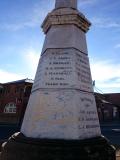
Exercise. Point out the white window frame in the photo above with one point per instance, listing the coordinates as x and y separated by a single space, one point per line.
10 108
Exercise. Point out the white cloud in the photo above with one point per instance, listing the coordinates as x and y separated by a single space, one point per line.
31 19
20 25
6 76
30 62
104 22
117 46
31 58
107 75
29 23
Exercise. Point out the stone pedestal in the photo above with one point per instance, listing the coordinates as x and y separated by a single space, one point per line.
20 147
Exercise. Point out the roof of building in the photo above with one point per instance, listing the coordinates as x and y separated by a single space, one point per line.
111 98
21 81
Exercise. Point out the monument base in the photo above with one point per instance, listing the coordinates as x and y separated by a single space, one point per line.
19 147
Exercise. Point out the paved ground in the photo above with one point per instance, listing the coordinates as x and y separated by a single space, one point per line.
112 132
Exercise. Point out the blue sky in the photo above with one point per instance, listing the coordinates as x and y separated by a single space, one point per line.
21 39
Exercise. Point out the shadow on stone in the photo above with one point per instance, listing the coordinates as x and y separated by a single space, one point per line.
19 147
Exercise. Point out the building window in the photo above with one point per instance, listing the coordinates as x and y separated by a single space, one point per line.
115 111
28 91
1 92
10 108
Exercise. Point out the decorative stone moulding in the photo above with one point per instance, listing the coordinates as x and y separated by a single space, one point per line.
66 16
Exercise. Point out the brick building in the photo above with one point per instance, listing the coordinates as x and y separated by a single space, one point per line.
108 106
13 100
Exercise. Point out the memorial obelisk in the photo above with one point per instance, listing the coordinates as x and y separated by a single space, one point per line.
62 103
61 120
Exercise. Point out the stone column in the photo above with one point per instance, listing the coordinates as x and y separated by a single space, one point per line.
62 103
66 4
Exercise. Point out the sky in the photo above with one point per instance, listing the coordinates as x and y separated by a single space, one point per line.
21 39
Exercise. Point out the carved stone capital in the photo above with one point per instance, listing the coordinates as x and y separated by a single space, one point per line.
66 16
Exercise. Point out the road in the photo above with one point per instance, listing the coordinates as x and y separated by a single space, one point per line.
112 132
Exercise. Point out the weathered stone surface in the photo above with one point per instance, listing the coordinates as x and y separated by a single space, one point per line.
63 69
65 37
20 147
62 96
62 114
66 3
66 16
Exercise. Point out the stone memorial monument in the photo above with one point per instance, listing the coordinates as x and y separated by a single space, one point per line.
61 121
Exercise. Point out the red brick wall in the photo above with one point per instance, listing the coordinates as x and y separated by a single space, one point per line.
15 93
